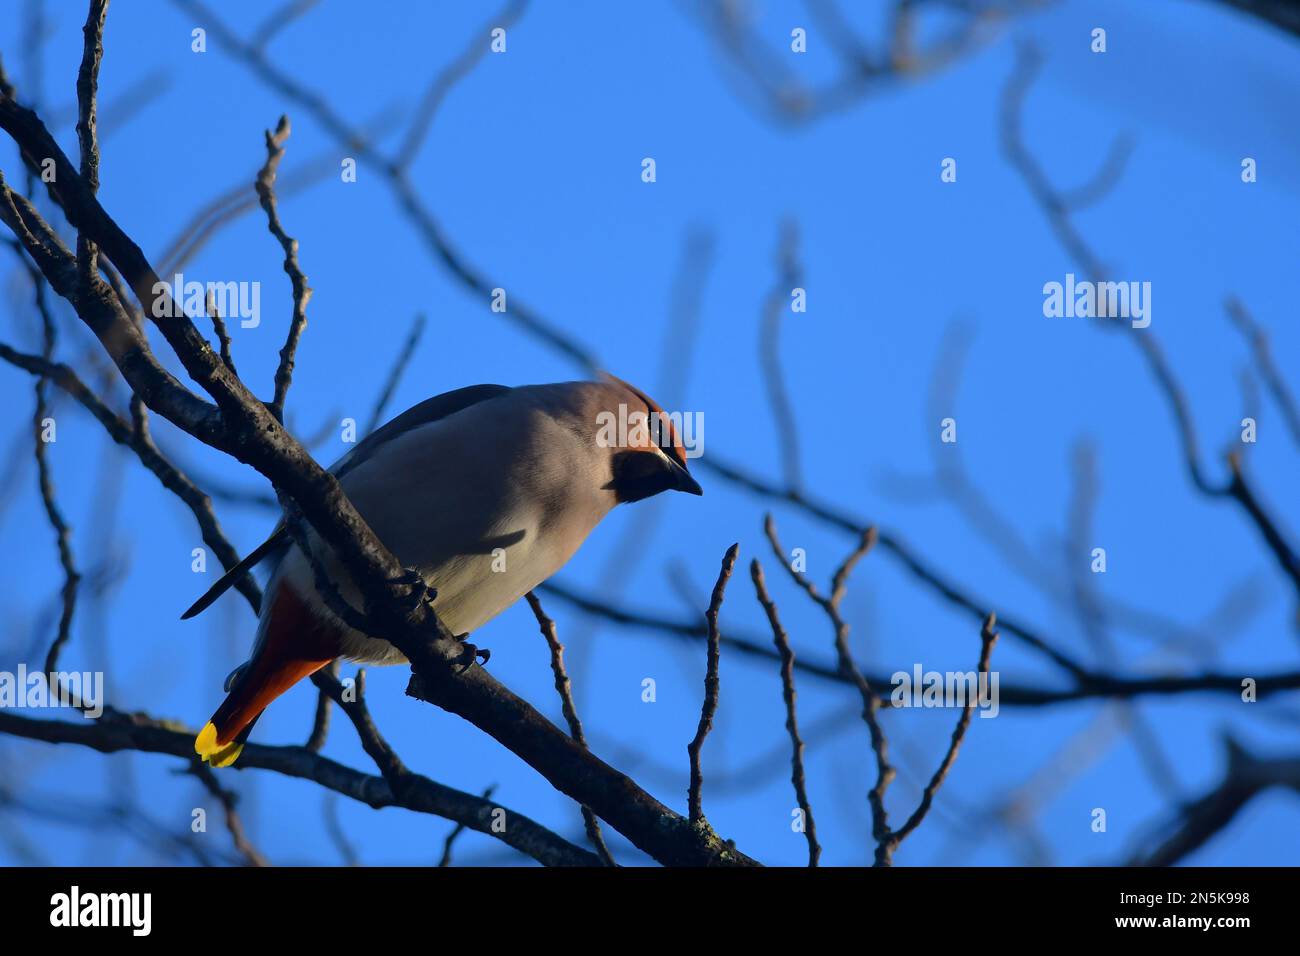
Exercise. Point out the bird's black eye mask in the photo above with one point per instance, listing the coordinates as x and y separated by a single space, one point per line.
638 475
642 474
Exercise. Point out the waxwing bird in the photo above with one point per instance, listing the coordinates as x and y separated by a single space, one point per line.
484 492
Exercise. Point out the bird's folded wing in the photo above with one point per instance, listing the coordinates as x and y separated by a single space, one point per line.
430 410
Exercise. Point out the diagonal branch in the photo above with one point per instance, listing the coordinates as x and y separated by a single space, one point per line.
564 688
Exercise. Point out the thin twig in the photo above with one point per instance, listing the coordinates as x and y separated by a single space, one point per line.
711 687
281 18
776 308
564 688
87 120
320 726
457 830
372 741
45 483
759 73
223 333
1093 619
87 84
782 641
334 829
871 701
229 802
395 375
265 186
988 637
1277 386
448 78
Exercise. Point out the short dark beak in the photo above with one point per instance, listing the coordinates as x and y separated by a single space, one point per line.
685 482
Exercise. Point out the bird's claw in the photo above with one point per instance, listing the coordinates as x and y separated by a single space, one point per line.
470 653
421 592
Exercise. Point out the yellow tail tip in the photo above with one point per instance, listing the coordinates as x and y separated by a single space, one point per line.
215 754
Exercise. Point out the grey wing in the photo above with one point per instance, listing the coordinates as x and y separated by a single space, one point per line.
429 410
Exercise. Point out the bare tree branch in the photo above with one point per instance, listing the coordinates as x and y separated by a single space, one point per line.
761 77
1097 686
222 333
988 637
447 79
782 641
45 483
265 185
775 308
118 732
1277 386
281 18
1245 778
712 686
87 120
395 376
565 689
456 831
234 823
1058 212
320 726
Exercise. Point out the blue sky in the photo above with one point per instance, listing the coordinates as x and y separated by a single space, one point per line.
533 167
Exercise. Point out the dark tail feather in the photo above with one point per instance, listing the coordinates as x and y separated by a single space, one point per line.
278 537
